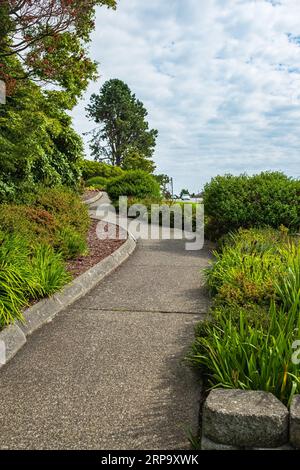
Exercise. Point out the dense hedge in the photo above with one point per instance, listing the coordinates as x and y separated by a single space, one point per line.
90 169
133 183
251 201
97 182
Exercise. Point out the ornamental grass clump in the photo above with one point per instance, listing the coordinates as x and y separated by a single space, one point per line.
27 272
236 354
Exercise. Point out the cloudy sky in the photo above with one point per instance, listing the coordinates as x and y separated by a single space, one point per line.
220 79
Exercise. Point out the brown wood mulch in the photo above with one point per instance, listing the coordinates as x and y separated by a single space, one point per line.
98 250
88 194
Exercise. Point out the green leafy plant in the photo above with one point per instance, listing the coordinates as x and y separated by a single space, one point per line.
135 183
17 281
247 343
29 222
51 211
98 182
91 169
66 206
71 243
34 242
269 198
288 284
171 205
12 295
251 358
49 268
247 267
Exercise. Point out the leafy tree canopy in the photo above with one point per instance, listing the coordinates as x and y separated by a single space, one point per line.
37 142
133 160
123 136
183 192
164 182
49 38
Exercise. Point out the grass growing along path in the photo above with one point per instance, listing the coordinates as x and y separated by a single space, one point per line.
255 283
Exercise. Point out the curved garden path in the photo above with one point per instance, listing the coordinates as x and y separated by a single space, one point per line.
107 373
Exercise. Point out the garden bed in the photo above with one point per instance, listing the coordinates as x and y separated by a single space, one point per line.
44 243
97 251
89 194
254 320
248 343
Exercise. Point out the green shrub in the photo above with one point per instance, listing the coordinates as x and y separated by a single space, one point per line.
31 223
269 198
7 191
238 355
91 169
148 202
134 183
98 182
71 243
55 217
66 206
248 266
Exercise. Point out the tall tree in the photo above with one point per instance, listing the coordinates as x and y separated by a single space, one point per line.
164 182
134 161
184 192
49 38
123 129
42 42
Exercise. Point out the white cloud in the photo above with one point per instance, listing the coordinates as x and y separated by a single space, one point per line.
220 79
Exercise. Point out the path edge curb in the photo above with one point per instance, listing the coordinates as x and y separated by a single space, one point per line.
93 199
43 312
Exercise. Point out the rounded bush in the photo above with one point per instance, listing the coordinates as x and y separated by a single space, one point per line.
133 183
269 198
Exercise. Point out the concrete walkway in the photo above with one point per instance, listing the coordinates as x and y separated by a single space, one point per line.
107 373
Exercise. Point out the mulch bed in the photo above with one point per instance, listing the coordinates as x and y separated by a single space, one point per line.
88 194
98 250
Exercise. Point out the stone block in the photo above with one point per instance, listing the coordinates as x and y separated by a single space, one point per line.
245 419
295 422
